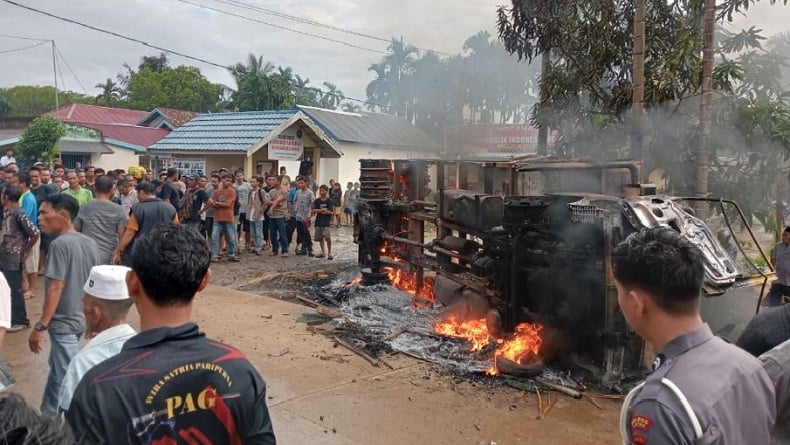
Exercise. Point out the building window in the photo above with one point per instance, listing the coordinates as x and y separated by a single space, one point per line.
70 160
188 166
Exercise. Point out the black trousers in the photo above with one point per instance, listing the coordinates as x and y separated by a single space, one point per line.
290 228
18 311
303 235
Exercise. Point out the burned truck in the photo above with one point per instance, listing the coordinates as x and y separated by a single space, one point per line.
531 241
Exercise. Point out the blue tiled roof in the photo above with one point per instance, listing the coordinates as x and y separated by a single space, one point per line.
234 132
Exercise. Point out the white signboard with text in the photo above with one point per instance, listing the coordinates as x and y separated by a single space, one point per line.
287 146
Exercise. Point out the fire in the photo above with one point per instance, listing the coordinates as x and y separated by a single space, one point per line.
523 347
474 331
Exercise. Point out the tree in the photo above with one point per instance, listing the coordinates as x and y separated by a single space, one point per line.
110 94
182 87
156 64
331 96
258 87
350 107
29 101
39 141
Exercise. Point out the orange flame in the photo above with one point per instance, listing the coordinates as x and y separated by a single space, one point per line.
523 347
474 331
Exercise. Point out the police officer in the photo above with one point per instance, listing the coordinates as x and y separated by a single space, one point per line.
702 389
776 363
780 258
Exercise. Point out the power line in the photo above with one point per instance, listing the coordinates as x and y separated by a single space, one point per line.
311 22
23 48
23 38
184 55
284 28
65 62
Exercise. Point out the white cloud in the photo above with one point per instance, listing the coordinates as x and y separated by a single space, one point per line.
439 24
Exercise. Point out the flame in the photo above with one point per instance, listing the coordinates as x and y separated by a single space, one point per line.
523 347
474 331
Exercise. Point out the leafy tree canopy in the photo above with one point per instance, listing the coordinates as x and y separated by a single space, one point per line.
28 101
39 141
182 87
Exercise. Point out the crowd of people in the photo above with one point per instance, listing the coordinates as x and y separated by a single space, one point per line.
81 228
111 240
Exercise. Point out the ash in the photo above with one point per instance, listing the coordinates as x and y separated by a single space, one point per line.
386 316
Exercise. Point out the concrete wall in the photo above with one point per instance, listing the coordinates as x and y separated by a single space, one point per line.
346 168
122 158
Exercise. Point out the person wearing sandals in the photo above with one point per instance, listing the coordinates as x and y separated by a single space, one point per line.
323 209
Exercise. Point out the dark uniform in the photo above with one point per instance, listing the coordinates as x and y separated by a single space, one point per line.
702 391
172 386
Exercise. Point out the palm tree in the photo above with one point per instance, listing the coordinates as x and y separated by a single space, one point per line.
256 87
110 92
331 97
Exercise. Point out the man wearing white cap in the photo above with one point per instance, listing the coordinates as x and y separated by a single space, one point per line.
105 303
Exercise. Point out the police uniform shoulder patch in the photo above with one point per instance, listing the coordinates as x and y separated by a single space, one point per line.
641 423
659 360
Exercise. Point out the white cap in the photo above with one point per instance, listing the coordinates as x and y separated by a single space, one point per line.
107 283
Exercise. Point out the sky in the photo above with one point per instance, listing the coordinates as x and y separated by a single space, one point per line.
441 25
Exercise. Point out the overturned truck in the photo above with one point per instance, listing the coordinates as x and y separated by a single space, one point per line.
531 241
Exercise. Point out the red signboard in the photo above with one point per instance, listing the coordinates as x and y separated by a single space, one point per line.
494 140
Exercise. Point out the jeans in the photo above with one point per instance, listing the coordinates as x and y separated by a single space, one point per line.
256 229
229 229
63 347
18 311
277 229
776 293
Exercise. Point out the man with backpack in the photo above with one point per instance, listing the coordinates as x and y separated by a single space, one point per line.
191 203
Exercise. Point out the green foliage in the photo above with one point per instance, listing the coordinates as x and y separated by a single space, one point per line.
39 141
182 87
110 93
28 101
261 86
485 81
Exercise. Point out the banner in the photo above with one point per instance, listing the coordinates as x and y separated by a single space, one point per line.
287 146
494 141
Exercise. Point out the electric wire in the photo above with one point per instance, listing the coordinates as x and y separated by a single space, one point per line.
23 48
24 38
65 62
311 22
184 55
284 28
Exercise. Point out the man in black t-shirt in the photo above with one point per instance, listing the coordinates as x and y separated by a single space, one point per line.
170 193
323 208
198 196
171 384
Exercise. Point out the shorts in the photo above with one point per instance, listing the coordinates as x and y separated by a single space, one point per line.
208 226
31 264
337 210
348 211
322 234
245 223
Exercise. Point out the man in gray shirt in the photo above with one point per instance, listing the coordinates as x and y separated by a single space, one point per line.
780 258
69 261
102 219
243 189
303 208
702 389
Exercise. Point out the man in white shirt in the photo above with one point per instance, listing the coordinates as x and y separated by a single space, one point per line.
106 304
5 307
8 158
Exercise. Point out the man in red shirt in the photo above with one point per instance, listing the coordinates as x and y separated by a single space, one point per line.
222 200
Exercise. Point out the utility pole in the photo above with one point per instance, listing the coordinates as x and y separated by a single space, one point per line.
705 111
543 130
638 74
55 71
